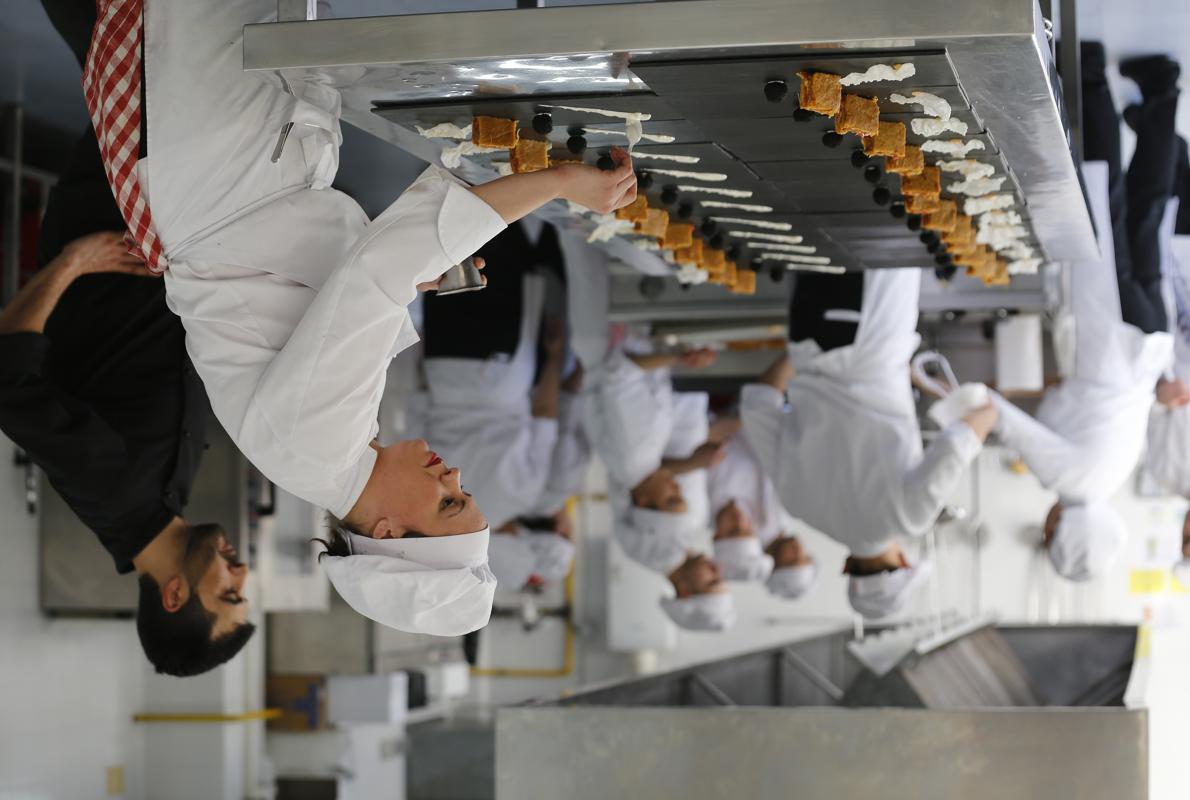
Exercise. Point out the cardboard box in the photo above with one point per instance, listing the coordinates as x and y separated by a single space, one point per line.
302 700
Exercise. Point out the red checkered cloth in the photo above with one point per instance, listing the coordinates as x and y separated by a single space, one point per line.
112 87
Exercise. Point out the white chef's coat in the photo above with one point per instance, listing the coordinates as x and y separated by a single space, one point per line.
569 461
628 417
846 456
1090 429
738 477
1167 452
691 426
480 420
293 303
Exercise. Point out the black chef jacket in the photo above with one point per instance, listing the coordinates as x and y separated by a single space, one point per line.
106 401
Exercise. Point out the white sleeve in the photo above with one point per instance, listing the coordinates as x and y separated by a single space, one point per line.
1047 454
762 415
571 456
313 410
929 483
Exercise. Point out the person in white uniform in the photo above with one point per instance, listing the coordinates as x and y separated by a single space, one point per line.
1090 430
294 303
833 424
496 404
753 539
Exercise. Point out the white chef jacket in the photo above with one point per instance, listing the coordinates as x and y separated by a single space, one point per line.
691 426
628 417
293 303
1090 429
569 461
846 455
738 477
480 420
1167 453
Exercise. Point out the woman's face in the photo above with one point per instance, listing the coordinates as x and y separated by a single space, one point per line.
423 495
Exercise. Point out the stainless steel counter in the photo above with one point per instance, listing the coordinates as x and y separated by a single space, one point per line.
998 50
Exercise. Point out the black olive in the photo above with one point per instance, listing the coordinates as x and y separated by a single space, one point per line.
717 241
945 273
644 180
685 210
775 91
543 123
897 209
913 222
669 194
858 159
872 173
832 139
708 227
803 115
881 195
777 274
577 144
606 163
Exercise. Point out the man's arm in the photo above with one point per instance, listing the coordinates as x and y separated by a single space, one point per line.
62 434
33 304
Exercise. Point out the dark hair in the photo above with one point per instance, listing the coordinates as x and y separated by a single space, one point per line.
180 643
859 568
338 541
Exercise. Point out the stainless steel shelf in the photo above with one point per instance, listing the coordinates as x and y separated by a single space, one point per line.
998 50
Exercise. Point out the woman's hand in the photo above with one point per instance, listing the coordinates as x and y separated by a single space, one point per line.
432 286
600 191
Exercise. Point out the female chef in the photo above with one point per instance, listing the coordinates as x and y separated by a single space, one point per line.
294 303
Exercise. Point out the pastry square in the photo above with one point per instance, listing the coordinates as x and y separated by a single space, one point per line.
678 234
928 182
962 233
654 224
911 163
745 282
691 254
859 115
714 261
889 141
821 93
922 204
494 132
636 211
942 220
529 155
